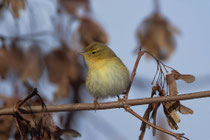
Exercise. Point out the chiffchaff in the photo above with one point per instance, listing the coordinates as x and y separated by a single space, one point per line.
107 76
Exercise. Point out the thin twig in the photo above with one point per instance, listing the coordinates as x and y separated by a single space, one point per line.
106 105
27 98
140 54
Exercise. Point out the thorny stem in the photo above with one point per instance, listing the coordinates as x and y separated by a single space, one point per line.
140 54
176 135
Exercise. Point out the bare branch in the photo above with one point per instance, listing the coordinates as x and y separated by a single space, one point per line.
106 105
140 54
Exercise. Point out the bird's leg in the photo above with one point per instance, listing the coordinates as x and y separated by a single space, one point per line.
96 104
121 100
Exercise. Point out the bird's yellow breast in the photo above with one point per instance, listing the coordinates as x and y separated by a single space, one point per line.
107 77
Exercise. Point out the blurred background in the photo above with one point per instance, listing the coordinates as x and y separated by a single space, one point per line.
40 42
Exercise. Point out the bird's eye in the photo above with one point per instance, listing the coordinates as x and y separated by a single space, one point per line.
93 52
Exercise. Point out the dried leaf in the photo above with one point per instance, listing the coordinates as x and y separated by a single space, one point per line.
74 69
63 90
63 69
33 67
187 78
154 117
172 117
185 110
152 108
16 59
156 35
171 82
57 64
4 62
70 132
143 125
90 31
174 29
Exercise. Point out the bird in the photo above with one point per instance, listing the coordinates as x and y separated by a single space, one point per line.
107 76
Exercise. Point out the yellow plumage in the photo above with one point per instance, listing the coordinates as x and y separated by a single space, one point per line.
107 75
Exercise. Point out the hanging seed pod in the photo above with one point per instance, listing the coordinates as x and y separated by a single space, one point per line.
33 67
90 31
156 35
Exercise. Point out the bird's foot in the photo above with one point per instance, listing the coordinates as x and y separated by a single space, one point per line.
121 100
96 104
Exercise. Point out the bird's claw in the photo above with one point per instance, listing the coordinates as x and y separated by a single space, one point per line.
96 104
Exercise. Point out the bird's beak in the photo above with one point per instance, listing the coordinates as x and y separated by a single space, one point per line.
82 53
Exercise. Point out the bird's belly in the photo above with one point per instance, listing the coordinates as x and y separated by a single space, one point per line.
107 82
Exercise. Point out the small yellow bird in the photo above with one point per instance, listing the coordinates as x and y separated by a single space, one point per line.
107 75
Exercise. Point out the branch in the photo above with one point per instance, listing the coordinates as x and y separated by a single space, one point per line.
140 54
106 105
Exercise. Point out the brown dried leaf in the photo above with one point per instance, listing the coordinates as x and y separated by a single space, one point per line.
154 117
143 125
156 36
172 117
70 132
57 64
4 62
16 59
175 29
90 31
16 6
33 66
187 78
64 69
152 108
74 69
54 131
171 82
63 90
185 110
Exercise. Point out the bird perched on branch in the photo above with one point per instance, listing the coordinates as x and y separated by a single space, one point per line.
107 75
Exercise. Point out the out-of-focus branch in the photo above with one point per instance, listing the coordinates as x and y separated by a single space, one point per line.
106 105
